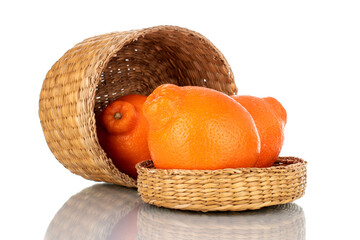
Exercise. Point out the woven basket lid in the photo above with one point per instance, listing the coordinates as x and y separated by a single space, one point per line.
102 68
231 189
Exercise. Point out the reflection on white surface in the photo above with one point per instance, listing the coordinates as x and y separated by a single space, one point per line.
106 211
277 222
103 211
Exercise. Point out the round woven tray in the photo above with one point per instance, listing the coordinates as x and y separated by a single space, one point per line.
225 189
277 222
102 68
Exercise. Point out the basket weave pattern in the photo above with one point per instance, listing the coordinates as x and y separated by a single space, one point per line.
225 189
102 68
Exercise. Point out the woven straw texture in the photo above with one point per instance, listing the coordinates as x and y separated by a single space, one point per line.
93 213
102 68
277 222
224 189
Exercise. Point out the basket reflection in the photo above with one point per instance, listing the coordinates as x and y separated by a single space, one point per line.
106 211
102 211
285 221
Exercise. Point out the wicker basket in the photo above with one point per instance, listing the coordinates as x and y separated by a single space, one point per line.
224 189
103 68
277 222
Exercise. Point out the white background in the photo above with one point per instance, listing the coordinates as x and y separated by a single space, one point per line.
304 53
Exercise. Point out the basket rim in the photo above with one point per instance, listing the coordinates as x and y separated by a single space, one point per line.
287 163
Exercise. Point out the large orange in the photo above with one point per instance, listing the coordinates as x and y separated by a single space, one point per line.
270 119
199 128
122 132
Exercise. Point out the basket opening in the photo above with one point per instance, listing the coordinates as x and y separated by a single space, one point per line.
164 56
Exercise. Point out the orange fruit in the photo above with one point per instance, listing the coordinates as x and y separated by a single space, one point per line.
270 119
122 132
199 128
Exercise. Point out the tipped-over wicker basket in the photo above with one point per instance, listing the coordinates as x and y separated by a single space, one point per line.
102 68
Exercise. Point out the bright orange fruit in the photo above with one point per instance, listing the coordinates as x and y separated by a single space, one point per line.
199 128
122 132
270 119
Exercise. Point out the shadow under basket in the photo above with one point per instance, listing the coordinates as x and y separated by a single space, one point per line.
100 69
225 189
